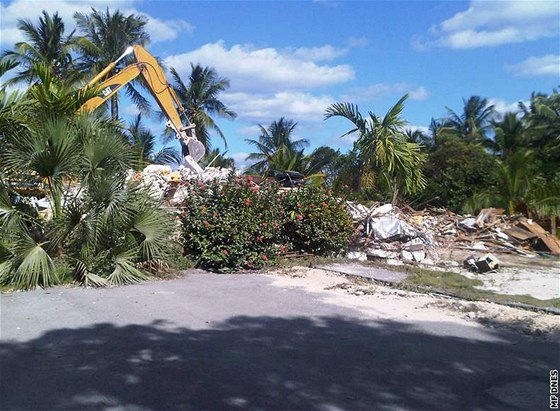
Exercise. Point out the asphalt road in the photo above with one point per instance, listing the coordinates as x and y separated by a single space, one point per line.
213 342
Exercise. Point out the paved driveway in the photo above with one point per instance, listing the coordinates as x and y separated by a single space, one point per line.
212 342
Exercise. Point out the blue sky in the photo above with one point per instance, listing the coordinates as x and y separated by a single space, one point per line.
294 58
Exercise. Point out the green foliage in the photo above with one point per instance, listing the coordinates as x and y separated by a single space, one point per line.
102 226
200 99
240 225
44 45
105 35
473 123
231 226
315 221
383 147
277 149
455 171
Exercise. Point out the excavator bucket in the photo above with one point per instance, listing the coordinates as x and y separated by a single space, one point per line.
196 149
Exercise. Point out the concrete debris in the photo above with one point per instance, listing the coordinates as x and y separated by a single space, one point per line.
484 264
164 183
403 234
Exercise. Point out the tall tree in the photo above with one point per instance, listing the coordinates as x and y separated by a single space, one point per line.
46 44
108 35
144 144
200 98
474 122
383 146
275 142
510 135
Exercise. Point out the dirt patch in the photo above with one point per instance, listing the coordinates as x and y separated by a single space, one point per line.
385 302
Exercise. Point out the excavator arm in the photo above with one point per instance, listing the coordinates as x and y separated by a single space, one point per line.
147 66
113 84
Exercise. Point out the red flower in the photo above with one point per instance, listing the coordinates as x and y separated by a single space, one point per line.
247 202
299 217
206 224
259 239
275 224
249 178
264 257
265 225
225 252
325 205
282 249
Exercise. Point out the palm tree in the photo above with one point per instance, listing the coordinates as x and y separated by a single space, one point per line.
383 147
144 144
106 35
275 143
103 226
200 98
46 44
474 122
215 158
510 135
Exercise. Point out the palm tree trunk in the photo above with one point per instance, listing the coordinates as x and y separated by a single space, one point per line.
114 107
553 224
395 193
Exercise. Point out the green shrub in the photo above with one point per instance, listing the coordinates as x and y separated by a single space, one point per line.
238 224
315 221
232 225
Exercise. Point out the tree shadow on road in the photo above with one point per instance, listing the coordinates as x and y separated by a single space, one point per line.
268 363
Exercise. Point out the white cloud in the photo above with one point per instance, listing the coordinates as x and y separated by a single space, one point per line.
378 90
240 159
548 65
323 53
493 23
129 110
248 131
348 139
264 108
357 41
264 69
422 129
159 30
502 107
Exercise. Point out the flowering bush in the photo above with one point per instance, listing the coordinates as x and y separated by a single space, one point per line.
315 221
238 224
231 225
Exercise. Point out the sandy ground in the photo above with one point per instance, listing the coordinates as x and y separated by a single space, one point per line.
536 276
386 302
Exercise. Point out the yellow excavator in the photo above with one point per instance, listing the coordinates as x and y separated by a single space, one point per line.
147 66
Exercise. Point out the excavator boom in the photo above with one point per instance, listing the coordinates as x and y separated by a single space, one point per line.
147 66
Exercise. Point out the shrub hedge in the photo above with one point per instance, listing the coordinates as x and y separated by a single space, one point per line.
238 224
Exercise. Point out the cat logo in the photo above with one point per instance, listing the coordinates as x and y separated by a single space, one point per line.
108 90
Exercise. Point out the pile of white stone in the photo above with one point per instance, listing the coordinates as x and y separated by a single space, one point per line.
164 183
385 234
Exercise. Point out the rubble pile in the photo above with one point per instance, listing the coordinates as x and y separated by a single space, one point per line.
387 233
166 184
404 234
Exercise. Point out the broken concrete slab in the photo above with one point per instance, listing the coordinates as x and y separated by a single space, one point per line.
372 273
481 265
